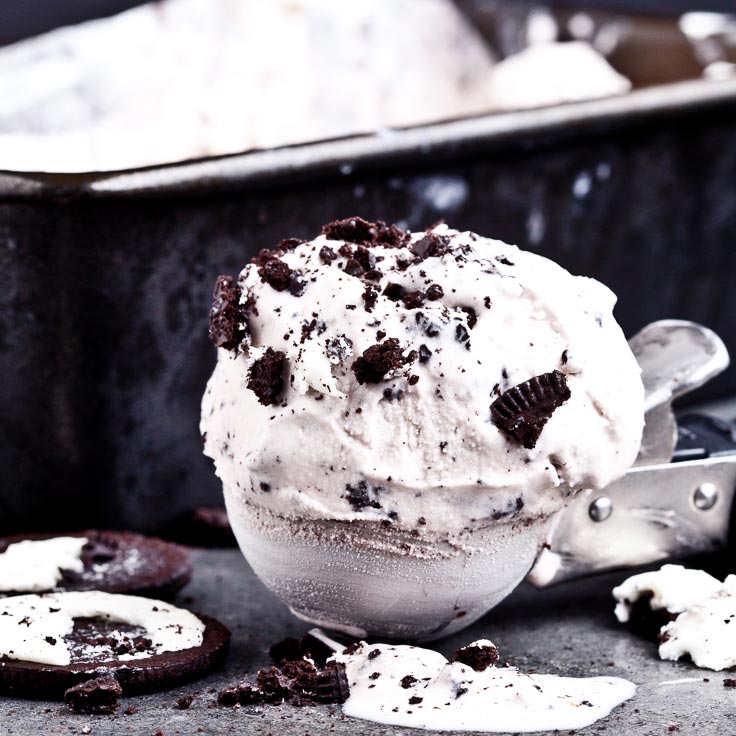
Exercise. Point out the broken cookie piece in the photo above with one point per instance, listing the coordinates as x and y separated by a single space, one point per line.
228 318
265 377
100 695
523 410
379 359
479 655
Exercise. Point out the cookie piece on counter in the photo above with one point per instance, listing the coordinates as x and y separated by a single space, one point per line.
52 643
114 562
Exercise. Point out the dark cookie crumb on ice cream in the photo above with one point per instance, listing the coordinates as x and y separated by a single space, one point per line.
362 496
380 359
479 657
266 376
228 321
278 274
431 246
358 230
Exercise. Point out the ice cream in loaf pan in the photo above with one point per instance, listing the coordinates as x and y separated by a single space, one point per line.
434 381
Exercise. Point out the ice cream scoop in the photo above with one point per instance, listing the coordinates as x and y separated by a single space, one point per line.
396 418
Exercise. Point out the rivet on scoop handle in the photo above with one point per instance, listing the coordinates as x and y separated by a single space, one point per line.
659 509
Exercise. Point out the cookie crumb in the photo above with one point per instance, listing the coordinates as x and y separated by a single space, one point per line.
184 702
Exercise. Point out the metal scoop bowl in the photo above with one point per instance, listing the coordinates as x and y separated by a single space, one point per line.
367 580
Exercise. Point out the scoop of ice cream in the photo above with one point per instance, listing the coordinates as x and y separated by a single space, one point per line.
432 381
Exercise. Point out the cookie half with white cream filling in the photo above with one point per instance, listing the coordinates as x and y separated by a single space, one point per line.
114 562
49 643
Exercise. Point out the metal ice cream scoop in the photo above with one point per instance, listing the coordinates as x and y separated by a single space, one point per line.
678 498
368 579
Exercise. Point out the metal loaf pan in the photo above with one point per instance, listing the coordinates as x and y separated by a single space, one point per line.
106 279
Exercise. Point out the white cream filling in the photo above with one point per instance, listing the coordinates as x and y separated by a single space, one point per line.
450 696
36 565
33 627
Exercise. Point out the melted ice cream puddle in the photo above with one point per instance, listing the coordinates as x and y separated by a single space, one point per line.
36 565
419 688
33 627
705 610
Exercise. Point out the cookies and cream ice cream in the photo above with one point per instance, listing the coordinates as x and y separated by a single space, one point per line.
434 382
183 79
552 73
418 688
693 613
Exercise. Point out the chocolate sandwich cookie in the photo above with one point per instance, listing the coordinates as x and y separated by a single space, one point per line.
52 643
114 562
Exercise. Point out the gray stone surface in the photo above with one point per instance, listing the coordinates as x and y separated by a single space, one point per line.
567 630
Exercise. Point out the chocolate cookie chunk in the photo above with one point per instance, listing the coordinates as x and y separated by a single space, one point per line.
479 657
100 695
276 273
228 320
431 246
523 410
379 359
360 231
121 562
265 379
21 678
297 682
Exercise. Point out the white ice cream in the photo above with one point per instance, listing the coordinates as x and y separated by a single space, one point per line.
551 73
450 696
706 631
35 565
183 79
672 587
705 625
424 455
33 627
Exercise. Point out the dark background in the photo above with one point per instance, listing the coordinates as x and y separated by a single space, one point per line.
103 301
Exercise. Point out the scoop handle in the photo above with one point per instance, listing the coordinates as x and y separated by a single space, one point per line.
659 509
653 513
